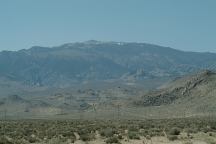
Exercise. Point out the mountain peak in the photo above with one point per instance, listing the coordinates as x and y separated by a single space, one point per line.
93 42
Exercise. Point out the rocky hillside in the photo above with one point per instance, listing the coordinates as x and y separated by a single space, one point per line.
195 92
96 61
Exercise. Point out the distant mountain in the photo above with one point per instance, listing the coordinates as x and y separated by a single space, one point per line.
195 93
97 61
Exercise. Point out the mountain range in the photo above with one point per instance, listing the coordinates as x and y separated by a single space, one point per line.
93 60
86 79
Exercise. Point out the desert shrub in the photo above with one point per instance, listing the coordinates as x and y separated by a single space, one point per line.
206 129
210 141
4 140
83 131
155 132
133 128
108 132
141 126
172 137
87 137
148 137
61 130
20 141
133 135
32 140
189 136
144 132
112 140
188 142
49 134
123 126
55 141
67 133
120 137
190 130
213 126
174 131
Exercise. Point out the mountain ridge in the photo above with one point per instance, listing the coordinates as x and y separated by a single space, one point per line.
94 60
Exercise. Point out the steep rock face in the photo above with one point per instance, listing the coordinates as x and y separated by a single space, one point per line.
94 60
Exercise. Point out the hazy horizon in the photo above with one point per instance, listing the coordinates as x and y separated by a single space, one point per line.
183 25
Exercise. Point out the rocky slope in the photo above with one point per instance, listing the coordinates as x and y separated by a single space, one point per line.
195 93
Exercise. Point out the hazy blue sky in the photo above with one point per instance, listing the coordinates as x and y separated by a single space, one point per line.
181 24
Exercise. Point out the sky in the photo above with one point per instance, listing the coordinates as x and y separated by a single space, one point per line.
188 25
